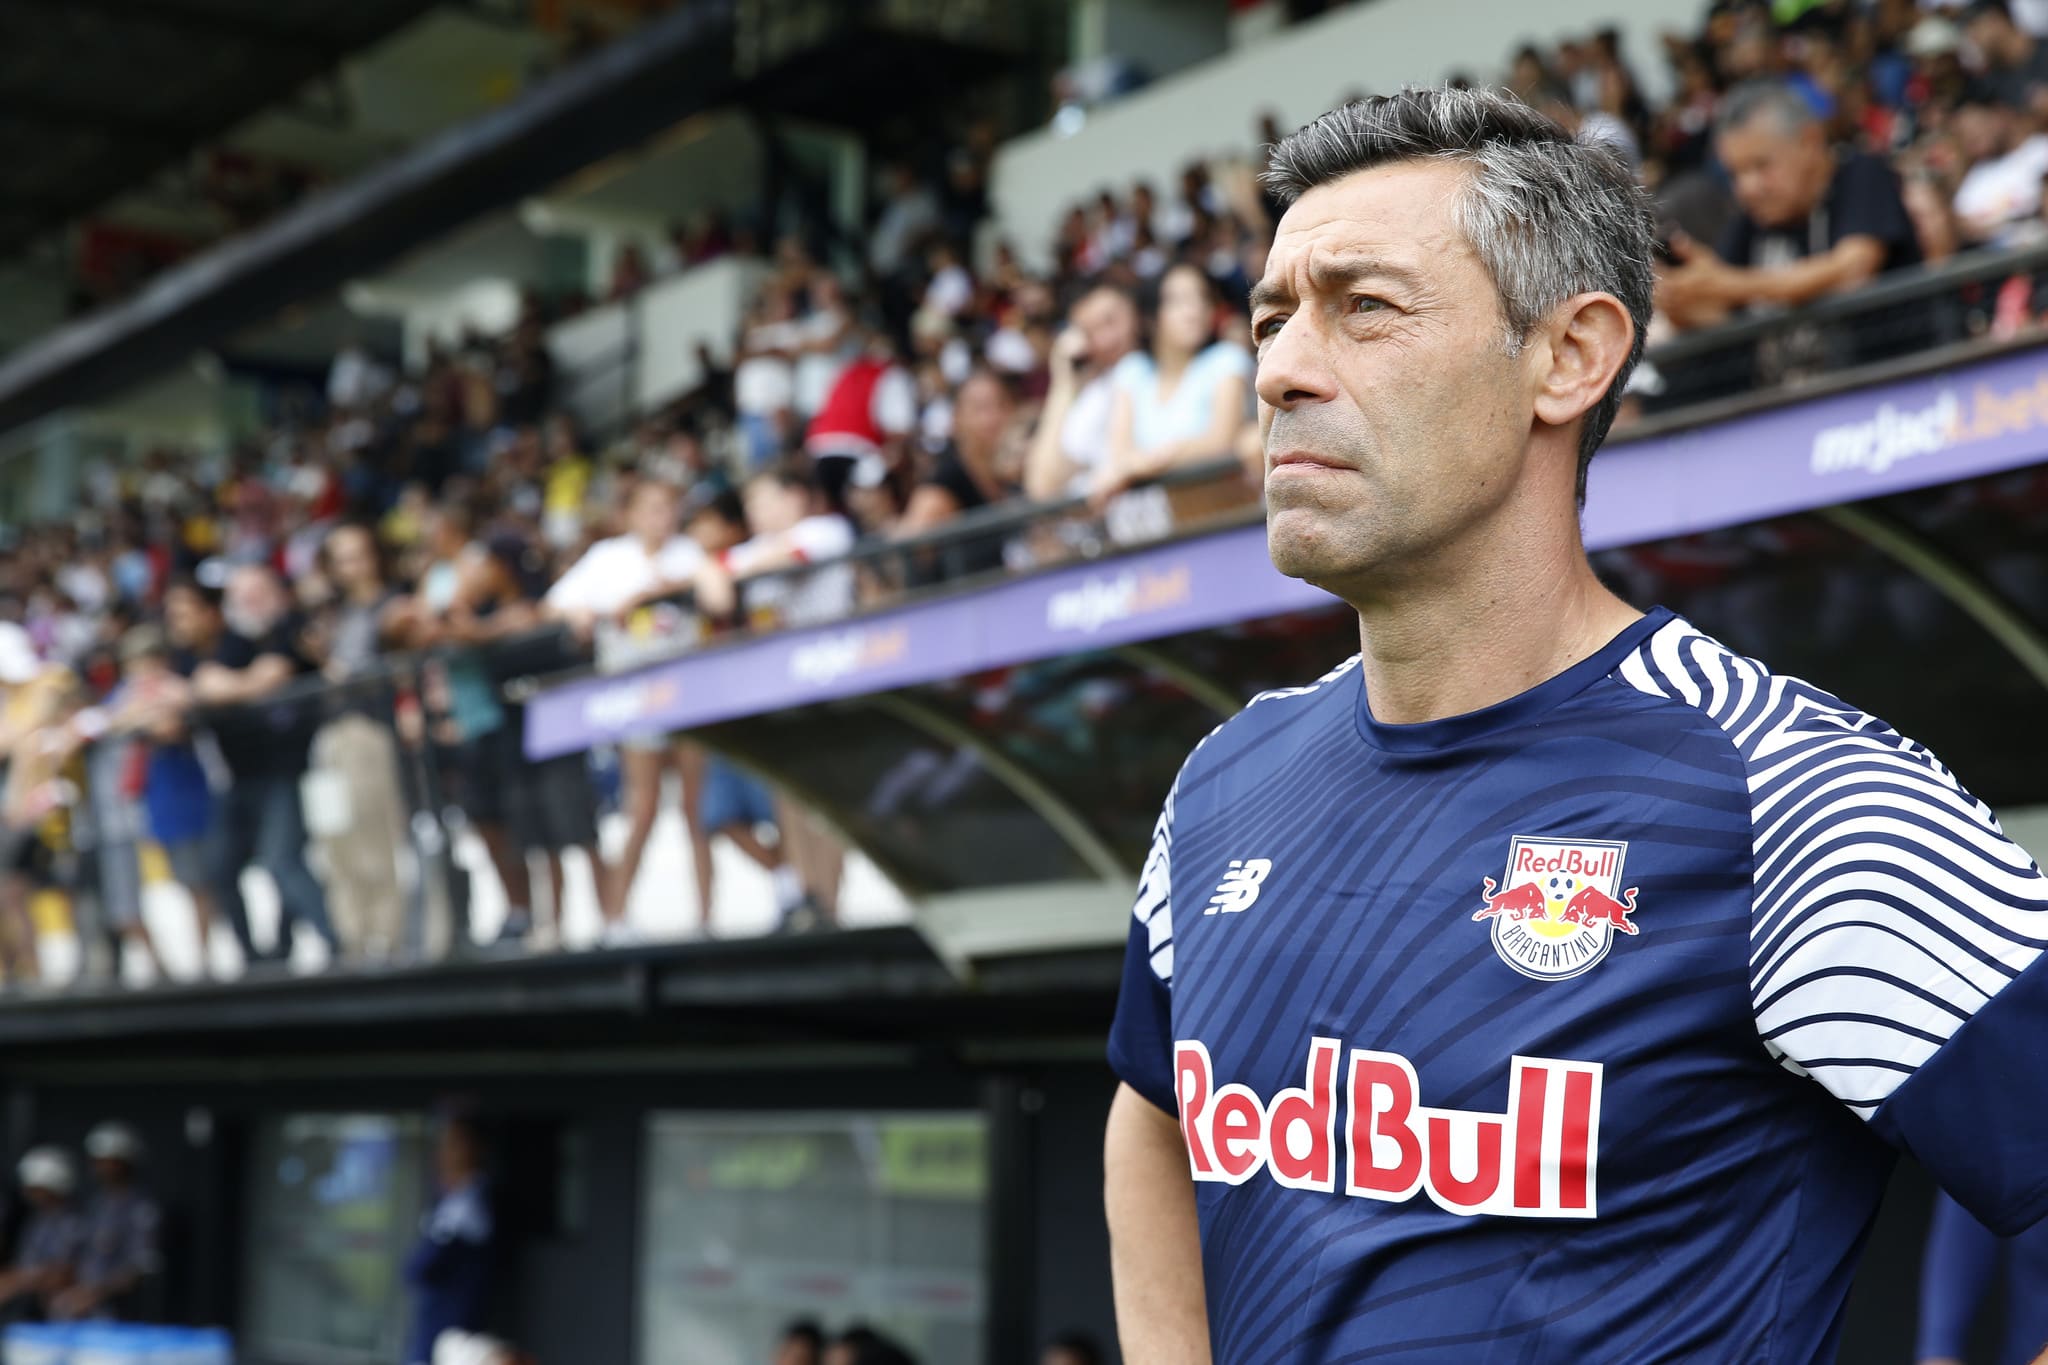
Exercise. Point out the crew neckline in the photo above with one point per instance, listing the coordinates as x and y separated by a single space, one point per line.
1450 731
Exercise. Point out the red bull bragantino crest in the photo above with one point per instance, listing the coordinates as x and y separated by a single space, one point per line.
1556 910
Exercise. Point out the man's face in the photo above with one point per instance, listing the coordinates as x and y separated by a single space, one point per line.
1779 175
188 618
1981 131
1381 355
1110 322
255 600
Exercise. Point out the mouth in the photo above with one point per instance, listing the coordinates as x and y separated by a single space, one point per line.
1305 462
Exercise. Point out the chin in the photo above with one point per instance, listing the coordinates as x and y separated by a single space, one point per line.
1300 546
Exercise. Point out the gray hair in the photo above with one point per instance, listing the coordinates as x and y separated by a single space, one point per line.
1549 215
1753 99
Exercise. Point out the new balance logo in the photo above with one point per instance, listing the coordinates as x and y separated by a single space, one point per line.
1240 886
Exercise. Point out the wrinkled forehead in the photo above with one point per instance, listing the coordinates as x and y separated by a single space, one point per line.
1404 214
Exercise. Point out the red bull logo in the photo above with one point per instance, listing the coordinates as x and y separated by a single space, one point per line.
1557 908
1539 1159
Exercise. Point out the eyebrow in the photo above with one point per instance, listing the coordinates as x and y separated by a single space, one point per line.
1329 275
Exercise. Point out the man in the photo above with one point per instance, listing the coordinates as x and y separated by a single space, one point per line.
119 1253
803 1342
1814 221
238 676
1545 982
449 1270
47 1256
1961 1261
1072 437
1999 199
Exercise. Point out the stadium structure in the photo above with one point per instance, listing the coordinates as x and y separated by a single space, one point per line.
697 1139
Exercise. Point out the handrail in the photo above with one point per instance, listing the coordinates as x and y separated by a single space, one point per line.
1895 287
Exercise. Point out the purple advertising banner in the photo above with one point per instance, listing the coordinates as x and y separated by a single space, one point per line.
1973 420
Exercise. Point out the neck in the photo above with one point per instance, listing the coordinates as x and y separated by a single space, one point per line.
365 593
1170 363
1469 628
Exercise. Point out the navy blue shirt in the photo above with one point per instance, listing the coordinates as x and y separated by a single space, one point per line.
1584 1027
450 1269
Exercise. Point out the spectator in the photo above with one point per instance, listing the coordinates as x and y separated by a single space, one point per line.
792 528
1814 221
614 596
357 748
764 381
1071 440
468 597
449 1269
2015 61
2002 189
177 792
264 751
1183 398
858 433
120 1254
966 476
46 1256
1071 1348
802 1343
38 698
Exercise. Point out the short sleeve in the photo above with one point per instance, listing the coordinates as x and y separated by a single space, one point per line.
894 404
1226 359
1896 953
1868 203
572 591
1141 1036
1131 374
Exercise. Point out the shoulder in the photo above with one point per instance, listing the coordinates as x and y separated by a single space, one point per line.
1224 358
1861 174
822 536
1133 370
1249 736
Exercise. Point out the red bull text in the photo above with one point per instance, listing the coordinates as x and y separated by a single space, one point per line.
1539 1159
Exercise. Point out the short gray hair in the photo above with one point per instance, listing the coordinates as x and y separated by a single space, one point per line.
1549 215
1753 99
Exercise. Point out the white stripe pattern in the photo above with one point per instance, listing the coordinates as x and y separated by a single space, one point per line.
1887 904
1154 904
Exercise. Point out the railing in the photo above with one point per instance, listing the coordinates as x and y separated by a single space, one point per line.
1906 319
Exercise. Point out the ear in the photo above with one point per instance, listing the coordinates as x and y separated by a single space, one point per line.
1589 336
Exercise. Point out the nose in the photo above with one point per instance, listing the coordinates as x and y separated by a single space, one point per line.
1294 367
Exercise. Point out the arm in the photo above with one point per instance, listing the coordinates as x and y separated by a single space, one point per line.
1955 1270
219 685
1704 288
1226 416
483 579
1047 470
930 507
1155 1252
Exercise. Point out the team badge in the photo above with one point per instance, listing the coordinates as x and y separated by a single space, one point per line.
1556 910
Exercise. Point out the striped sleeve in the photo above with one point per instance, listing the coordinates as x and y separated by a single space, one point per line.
1896 933
1141 1037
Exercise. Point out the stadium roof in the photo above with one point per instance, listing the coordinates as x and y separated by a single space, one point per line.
97 96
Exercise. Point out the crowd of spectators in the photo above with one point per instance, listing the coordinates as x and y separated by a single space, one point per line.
201 658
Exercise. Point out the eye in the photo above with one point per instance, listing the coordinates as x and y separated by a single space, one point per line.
1266 328
1366 303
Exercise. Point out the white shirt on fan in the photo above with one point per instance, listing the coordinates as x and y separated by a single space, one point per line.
612 573
800 597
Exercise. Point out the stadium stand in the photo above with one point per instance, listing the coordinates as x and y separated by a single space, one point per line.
426 647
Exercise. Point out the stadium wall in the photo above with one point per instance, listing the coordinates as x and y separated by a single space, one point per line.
1209 110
